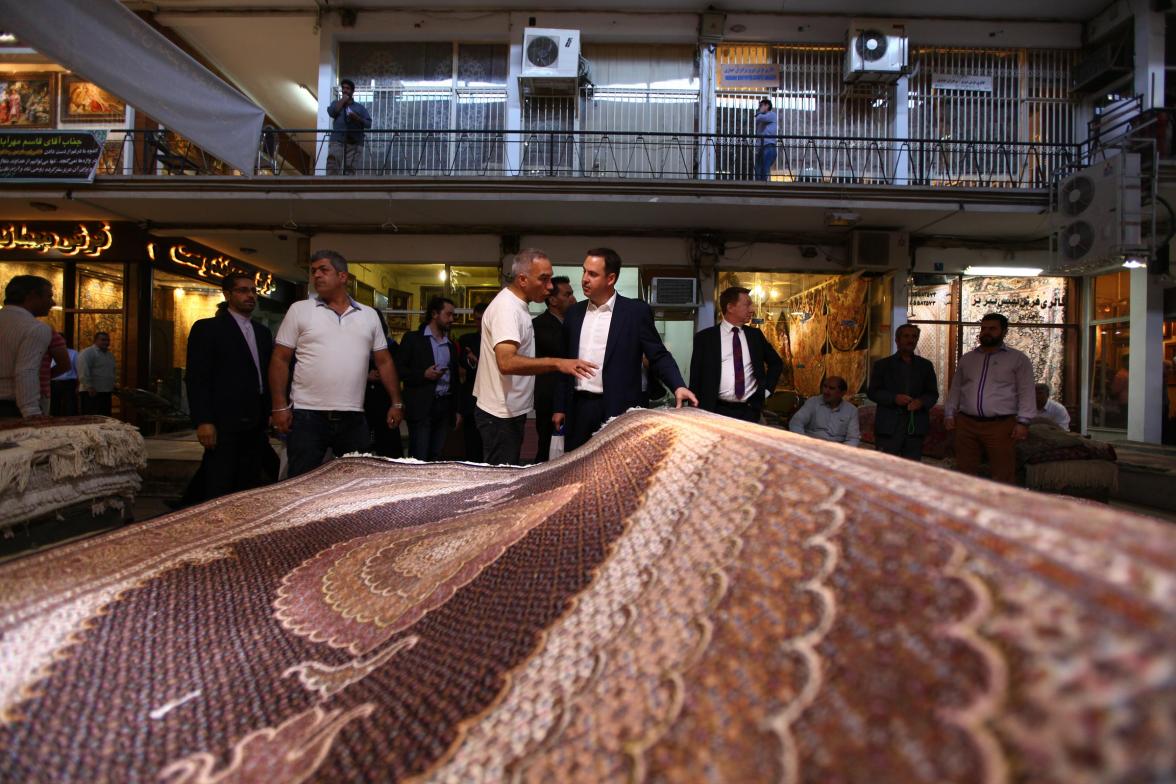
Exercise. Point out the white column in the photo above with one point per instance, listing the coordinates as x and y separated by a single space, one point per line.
708 273
326 89
900 129
1146 369
1149 53
707 110
899 296
513 154
1084 355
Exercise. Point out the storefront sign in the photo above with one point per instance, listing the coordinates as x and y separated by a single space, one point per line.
88 240
50 156
749 76
962 84
1037 300
209 265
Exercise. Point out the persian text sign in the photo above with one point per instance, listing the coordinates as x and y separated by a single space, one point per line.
959 83
754 76
50 156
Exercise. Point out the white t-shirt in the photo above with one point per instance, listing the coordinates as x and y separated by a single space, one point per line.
506 319
332 353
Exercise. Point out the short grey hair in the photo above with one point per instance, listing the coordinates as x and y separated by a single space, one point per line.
524 259
336 259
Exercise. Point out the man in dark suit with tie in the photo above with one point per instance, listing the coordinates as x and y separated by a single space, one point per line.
734 368
428 365
614 333
905 388
549 343
228 390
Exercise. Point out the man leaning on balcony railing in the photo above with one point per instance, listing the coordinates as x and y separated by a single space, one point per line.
348 122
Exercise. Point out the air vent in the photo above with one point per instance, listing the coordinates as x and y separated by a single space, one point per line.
878 250
674 291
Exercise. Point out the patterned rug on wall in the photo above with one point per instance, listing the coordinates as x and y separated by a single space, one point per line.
687 598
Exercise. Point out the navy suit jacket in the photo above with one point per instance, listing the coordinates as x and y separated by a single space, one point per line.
221 376
631 335
706 366
885 383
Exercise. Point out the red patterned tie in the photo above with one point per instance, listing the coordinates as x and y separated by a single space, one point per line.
737 358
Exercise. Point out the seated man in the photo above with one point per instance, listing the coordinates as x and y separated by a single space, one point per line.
828 416
1051 410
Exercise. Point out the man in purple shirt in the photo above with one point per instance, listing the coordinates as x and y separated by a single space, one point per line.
991 403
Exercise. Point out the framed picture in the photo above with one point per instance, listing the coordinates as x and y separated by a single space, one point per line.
427 293
27 100
86 102
478 294
402 301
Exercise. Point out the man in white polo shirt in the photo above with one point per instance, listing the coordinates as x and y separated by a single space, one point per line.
334 337
505 387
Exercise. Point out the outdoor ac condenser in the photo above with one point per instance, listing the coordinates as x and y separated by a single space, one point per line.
1099 216
875 51
550 54
673 291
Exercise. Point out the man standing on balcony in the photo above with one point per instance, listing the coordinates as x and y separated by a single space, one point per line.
348 122
766 128
613 333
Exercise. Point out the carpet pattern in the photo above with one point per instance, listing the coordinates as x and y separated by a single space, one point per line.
687 598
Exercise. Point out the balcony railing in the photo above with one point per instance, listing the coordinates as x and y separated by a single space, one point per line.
620 155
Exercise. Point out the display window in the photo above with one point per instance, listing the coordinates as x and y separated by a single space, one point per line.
54 272
177 302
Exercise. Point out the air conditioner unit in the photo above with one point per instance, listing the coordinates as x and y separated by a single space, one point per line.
875 51
673 291
878 250
1099 216
550 54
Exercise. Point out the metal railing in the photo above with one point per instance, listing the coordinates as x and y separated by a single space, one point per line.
617 155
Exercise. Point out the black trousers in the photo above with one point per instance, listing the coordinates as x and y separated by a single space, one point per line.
502 439
901 444
314 432
742 411
385 440
235 464
9 410
543 411
587 417
427 434
63 397
99 403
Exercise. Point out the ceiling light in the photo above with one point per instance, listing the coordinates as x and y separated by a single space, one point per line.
441 276
1134 263
7 38
1008 272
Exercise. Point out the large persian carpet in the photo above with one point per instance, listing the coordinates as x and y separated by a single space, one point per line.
687 598
50 464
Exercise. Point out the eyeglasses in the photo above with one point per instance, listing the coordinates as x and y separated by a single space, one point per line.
244 290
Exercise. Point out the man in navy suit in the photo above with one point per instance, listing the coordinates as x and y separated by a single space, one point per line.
428 364
905 388
228 390
734 367
614 333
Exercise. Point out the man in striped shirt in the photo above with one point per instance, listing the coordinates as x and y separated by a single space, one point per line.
991 403
23 342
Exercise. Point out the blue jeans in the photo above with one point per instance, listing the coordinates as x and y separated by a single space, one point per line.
313 432
765 156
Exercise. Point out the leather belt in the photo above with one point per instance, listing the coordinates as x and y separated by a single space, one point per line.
975 418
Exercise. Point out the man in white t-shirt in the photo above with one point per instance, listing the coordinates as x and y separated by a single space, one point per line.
1051 410
505 387
334 337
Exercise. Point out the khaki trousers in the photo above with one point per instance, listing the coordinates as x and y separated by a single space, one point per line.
974 440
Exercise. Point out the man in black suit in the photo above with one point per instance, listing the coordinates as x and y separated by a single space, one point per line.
614 333
734 367
228 390
428 365
905 388
549 343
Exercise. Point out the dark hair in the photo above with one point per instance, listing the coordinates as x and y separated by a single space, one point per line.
1004 322
556 282
227 282
347 82
100 334
612 259
765 100
436 305
336 259
907 325
730 296
844 387
21 287
481 307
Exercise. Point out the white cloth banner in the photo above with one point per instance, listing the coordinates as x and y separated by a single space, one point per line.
105 43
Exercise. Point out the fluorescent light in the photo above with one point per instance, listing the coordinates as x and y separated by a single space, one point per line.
7 38
1134 263
1008 272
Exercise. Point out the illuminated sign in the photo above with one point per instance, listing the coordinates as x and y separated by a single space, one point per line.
214 266
86 241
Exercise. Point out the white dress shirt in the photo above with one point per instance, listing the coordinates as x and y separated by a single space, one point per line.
727 372
246 325
593 341
23 343
1055 412
818 420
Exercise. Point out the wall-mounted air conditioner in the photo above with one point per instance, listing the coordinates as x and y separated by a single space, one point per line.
673 291
876 51
550 54
1099 216
872 249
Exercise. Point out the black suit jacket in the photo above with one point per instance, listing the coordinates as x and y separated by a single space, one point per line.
413 358
706 366
630 336
885 383
221 377
548 343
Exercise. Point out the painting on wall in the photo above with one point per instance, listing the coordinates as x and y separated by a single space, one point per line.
86 102
26 100
479 294
398 301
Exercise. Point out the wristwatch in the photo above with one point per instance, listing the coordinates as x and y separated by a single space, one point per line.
397 405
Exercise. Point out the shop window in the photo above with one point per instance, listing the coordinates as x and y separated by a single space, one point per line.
100 308
54 273
177 303
1112 296
1110 334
